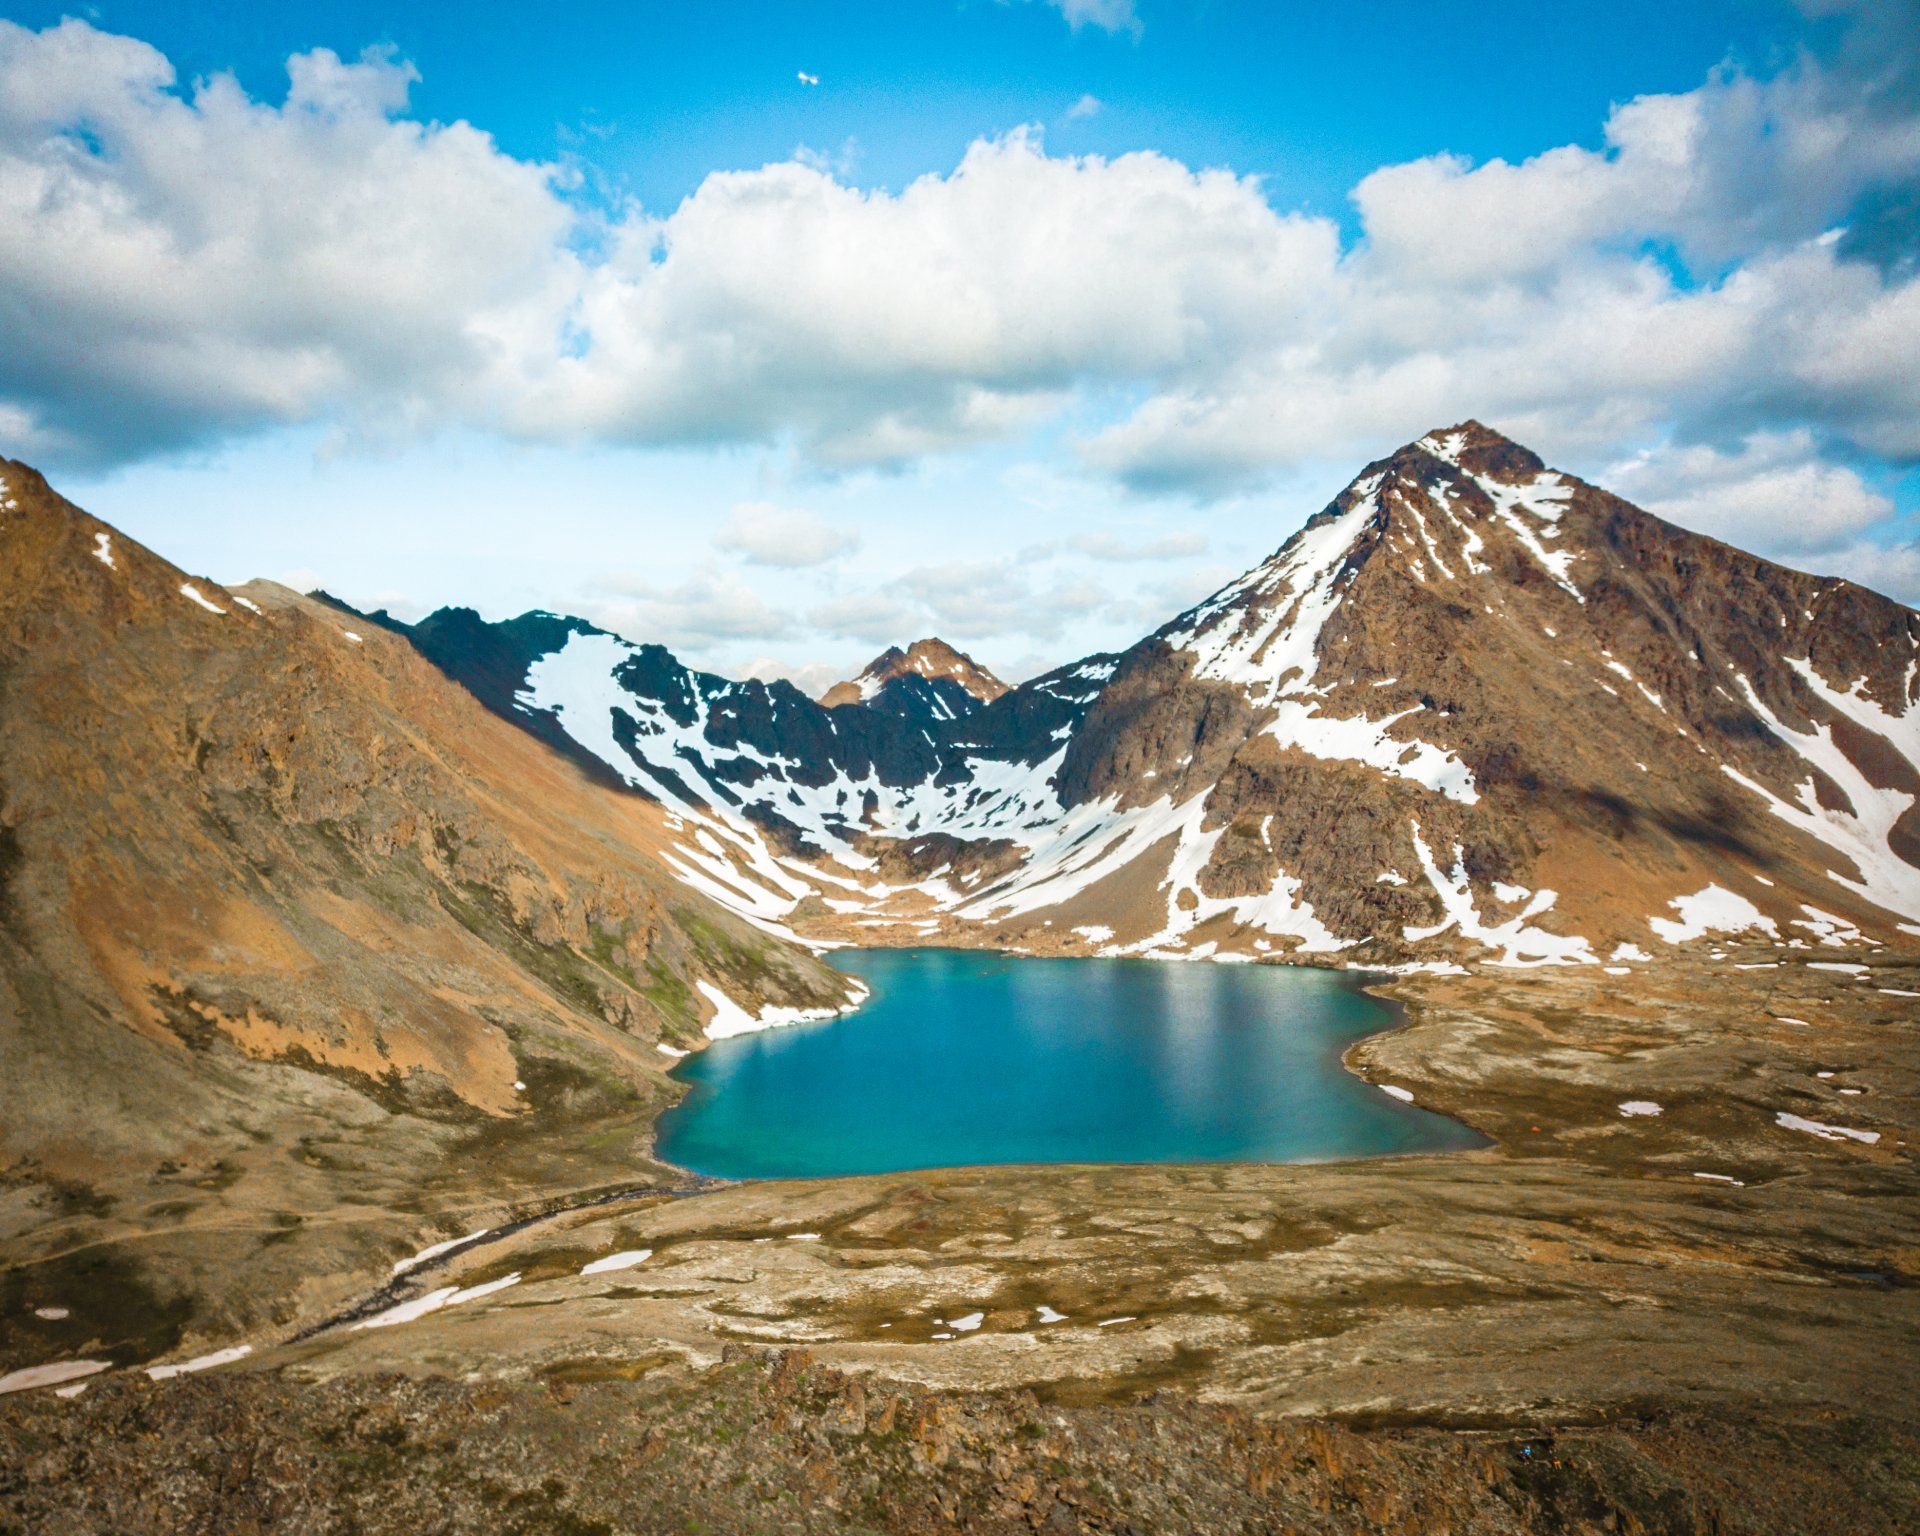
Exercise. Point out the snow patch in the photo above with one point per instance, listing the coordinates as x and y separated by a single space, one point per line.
1519 943
616 1261
1860 834
434 1250
434 1301
1823 1131
50 1375
730 1019
202 1363
1713 909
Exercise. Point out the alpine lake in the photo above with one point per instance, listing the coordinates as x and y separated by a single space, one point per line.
968 1057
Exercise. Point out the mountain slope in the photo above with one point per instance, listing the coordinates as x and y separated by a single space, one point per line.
1475 711
291 926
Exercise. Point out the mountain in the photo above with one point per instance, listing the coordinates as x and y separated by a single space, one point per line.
1477 710
291 926
929 680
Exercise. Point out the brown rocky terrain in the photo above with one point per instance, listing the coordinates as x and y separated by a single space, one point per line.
777 1442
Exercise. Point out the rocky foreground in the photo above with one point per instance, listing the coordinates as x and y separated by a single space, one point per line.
777 1442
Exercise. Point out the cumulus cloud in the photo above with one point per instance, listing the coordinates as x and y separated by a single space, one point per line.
1892 569
179 265
1154 603
878 618
1732 266
1087 106
765 534
972 599
878 327
401 605
960 600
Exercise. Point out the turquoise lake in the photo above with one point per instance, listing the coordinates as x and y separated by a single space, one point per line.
964 1057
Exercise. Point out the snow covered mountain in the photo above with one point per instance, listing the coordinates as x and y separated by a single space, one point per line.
928 680
1474 710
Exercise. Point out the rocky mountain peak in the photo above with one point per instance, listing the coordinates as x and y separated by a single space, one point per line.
928 674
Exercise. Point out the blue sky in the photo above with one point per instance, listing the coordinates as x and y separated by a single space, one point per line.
1026 323
654 96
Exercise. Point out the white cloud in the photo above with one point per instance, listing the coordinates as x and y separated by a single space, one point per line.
1155 602
879 326
1890 569
1107 15
1772 493
714 607
179 265
765 534
1087 106
877 618
1106 545
812 678
959 600
975 599
405 608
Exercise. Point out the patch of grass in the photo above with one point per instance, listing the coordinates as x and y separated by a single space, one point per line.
602 944
577 1371
568 975
669 994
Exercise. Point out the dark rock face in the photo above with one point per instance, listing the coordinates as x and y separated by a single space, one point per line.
752 739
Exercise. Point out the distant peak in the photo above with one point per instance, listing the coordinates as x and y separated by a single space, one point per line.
930 658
